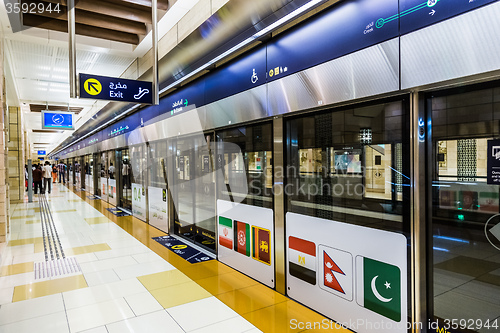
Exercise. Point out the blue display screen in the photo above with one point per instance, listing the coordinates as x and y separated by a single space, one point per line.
57 120
416 14
345 28
42 152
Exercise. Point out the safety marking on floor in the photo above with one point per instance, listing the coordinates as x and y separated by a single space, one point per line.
183 250
56 268
93 197
117 212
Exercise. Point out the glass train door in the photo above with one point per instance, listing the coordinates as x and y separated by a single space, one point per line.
102 177
194 190
347 220
125 183
464 265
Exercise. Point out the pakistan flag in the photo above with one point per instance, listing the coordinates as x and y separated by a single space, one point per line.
379 287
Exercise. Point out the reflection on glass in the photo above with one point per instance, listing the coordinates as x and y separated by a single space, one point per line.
247 154
125 184
348 166
193 189
466 252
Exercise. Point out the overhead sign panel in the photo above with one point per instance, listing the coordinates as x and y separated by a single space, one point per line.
57 120
348 27
416 14
243 74
115 89
42 152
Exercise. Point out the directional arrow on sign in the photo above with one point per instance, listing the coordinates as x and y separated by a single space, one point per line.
432 12
186 102
93 85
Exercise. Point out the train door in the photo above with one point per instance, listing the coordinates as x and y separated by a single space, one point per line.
158 196
138 177
463 211
103 175
112 174
194 195
125 181
246 229
96 172
347 214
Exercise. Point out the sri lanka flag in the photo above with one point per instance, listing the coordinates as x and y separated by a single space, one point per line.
261 245
302 259
242 238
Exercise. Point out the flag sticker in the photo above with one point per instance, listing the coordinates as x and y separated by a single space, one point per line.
336 272
226 232
242 238
379 287
261 245
302 259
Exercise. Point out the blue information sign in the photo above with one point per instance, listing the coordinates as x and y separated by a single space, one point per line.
493 164
115 89
42 152
245 73
57 120
416 14
347 27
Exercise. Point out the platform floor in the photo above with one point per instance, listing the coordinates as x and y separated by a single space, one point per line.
128 281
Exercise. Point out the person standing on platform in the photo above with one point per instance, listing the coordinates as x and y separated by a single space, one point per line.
37 179
61 169
111 171
54 173
47 180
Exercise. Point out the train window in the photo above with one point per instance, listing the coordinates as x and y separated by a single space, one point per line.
349 165
246 153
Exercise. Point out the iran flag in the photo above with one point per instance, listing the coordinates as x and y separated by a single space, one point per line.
226 232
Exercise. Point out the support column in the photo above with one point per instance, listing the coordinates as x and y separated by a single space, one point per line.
420 131
16 160
279 205
4 200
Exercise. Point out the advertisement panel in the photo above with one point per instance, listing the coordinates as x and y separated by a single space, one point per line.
246 239
158 208
104 188
354 275
139 201
112 191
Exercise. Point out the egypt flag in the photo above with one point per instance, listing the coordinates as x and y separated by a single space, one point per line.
302 259
379 287
261 245
242 238
226 232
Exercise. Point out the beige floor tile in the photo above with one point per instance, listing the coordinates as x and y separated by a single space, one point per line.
87 249
163 279
16 269
179 294
97 220
50 287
